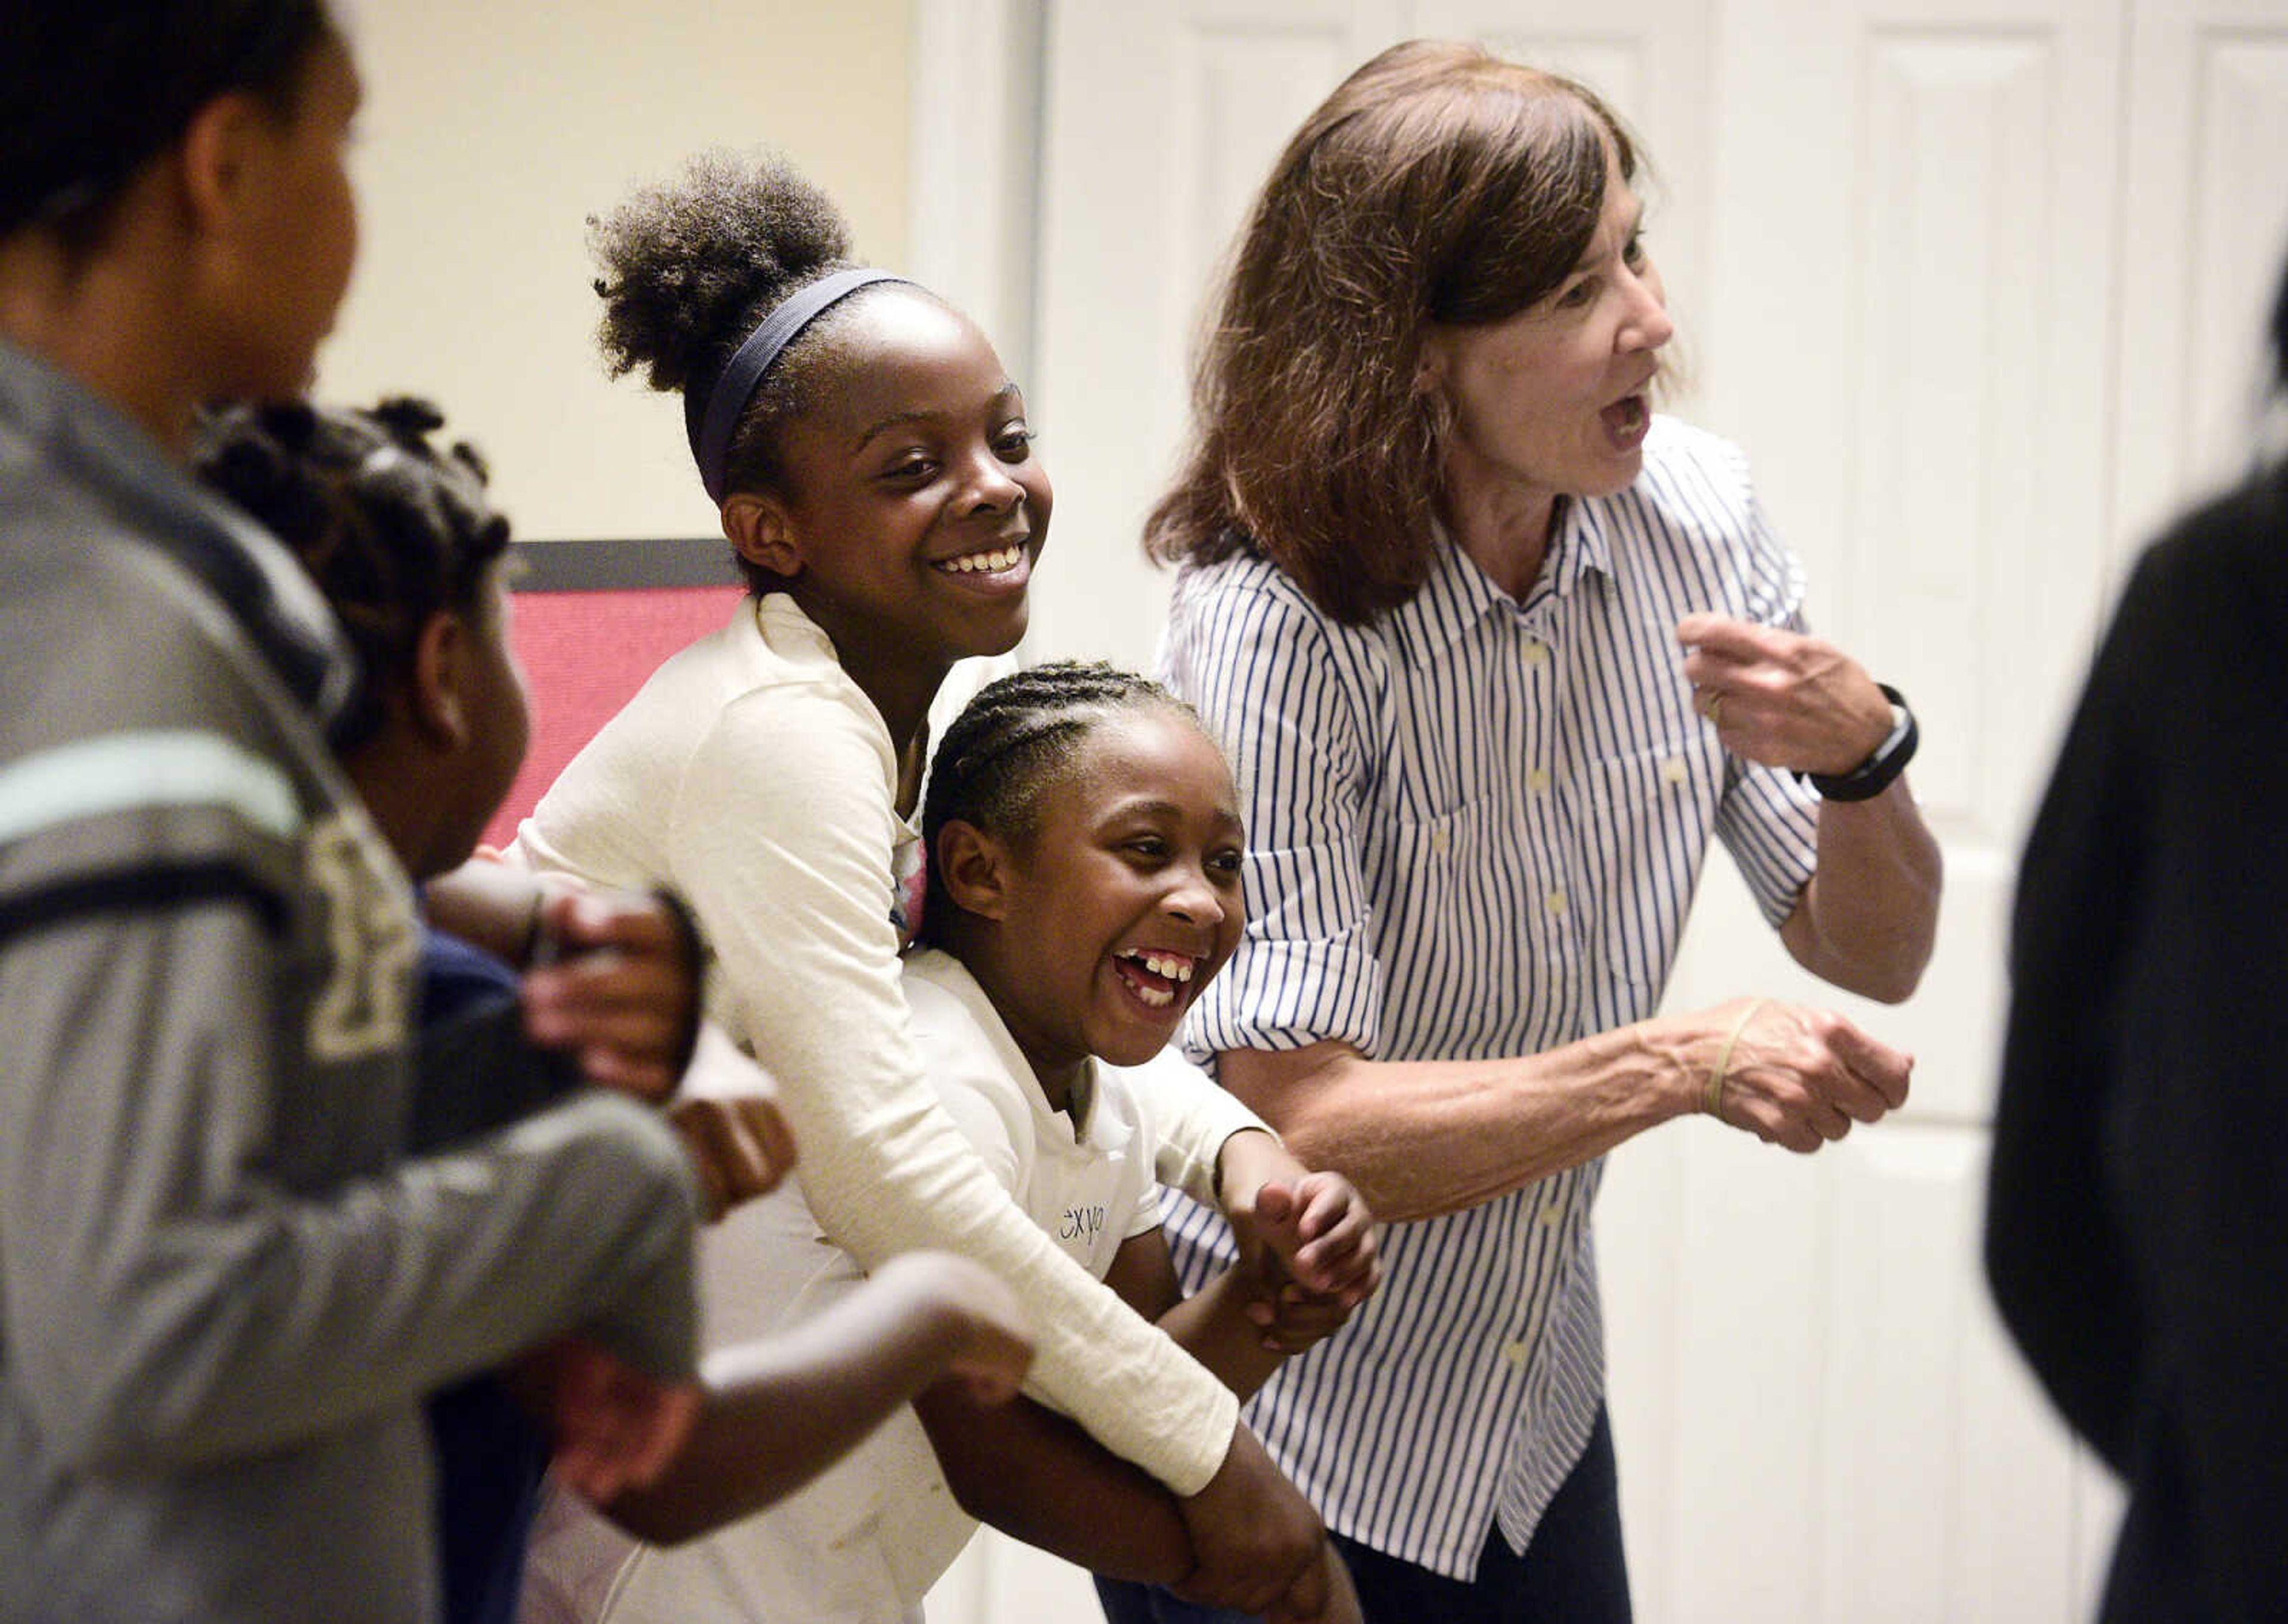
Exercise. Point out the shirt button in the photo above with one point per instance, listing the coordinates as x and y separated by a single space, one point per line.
1537 780
1537 654
1553 1215
1516 1352
1674 769
1439 839
1554 902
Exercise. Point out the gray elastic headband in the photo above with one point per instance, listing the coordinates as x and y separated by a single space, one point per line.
742 374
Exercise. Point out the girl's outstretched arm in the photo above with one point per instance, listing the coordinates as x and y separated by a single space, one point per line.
1038 1478
779 1411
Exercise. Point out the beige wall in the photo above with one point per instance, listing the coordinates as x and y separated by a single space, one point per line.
493 128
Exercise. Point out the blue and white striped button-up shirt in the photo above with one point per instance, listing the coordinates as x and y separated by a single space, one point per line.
1474 827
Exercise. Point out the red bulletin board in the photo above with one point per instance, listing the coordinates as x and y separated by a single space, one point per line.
584 653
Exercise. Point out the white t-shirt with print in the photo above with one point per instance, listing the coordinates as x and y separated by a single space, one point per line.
863 1543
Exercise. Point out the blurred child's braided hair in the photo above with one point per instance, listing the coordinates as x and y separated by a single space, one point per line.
1010 742
393 529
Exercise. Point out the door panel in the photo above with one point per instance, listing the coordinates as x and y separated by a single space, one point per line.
1913 248
1161 124
2206 209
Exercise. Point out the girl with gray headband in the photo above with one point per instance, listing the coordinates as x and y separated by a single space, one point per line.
875 473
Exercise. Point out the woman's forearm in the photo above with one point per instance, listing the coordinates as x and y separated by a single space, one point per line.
1427 1137
1869 916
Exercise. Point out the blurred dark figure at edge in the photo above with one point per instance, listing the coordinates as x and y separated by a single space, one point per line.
2137 1227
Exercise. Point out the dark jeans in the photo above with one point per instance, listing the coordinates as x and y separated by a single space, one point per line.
1573 1572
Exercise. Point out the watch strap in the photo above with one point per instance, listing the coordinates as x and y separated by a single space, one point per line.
1875 774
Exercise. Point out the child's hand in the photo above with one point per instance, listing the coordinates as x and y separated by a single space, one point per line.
616 1429
1256 1541
616 978
1292 1317
1316 1225
741 1146
1334 1601
991 1345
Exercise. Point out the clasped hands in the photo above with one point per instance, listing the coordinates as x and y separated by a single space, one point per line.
1307 1236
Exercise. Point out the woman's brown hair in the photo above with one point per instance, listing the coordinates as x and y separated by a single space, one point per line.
1437 184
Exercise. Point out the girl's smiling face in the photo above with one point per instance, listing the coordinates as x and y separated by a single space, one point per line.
913 506
1123 901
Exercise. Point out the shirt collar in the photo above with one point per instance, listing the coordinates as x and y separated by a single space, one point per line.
1102 1132
1456 594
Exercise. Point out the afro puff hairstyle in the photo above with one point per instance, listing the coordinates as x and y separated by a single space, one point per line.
690 267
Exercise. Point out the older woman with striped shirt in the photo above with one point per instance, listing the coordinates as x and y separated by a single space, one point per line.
1499 655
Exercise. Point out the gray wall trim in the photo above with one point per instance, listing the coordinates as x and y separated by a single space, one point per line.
606 565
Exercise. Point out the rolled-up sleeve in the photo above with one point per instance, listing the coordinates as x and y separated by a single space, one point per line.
1280 698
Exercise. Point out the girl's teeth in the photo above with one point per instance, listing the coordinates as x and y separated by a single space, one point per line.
1163 965
990 563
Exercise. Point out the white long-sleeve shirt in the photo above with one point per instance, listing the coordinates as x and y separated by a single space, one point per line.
863 1542
753 774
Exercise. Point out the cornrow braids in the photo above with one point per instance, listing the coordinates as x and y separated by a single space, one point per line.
393 528
1014 739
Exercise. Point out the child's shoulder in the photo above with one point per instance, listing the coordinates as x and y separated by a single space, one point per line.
179 674
980 1074
769 679
956 1029
938 982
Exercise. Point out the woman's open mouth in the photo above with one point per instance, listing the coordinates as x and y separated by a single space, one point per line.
1627 422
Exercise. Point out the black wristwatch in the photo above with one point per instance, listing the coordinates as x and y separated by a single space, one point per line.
1873 775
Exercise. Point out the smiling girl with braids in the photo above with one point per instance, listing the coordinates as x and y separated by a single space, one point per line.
874 475
1084 886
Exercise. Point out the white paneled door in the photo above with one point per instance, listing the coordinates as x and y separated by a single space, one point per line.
1910 250
1160 122
1977 284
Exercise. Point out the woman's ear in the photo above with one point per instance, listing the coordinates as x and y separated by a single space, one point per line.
974 868
438 705
758 526
1430 363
